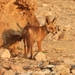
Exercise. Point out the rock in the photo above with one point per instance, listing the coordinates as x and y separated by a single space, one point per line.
62 72
49 66
10 28
67 65
47 13
48 74
60 49
59 36
5 53
17 69
57 73
31 4
58 67
62 69
45 64
9 72
26 73
2 70
73 71
40 64
6 65
40 57
68 27
68 61
43 72
35 74
44 5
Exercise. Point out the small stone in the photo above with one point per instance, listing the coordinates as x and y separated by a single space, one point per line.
44 64
42 72
44 4
73 71
58 68
64 71
58 73
68 28
5 53
45 71
68 61
9 72
17 69
67 65
6 65
47 13
26 73
61 69
60 49
40 57
2 70
49 66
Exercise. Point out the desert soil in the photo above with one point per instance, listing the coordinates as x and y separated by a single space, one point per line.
64 10
59 49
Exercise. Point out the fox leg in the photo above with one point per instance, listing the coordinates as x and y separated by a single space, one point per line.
39 46
30 47
31 52
25 52
28 55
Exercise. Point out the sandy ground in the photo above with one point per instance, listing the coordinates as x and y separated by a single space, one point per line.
55 49
65 12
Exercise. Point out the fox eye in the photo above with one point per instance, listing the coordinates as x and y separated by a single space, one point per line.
51 28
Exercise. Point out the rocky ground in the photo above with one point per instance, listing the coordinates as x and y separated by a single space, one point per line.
58 56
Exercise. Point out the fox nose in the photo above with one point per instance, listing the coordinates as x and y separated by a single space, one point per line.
55 33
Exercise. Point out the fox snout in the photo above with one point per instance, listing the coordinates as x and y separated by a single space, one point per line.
56 30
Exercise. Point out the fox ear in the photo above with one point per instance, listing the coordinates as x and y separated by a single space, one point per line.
47 20
54 20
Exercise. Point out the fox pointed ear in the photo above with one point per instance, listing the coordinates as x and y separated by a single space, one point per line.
47 20
54 20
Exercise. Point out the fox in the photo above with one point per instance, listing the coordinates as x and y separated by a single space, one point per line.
33 34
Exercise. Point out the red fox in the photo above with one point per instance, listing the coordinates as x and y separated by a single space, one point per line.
36 33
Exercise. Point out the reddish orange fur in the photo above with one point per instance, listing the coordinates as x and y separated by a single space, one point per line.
36 33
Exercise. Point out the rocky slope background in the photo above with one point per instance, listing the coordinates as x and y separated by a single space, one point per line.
12 13
58 56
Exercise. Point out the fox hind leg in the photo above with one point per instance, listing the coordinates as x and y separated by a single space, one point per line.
30 48
25 52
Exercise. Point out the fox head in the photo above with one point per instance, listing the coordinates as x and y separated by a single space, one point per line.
50 25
